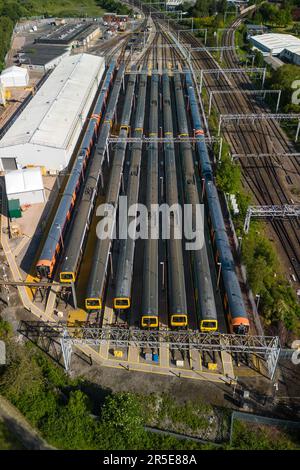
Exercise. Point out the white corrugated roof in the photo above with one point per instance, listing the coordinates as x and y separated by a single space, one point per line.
21 181
294 49
51 116
14 70
276 42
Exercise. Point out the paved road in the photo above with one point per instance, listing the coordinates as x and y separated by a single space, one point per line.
19 426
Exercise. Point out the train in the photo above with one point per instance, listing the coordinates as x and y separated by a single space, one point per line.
234 306
72 256
97 279
55 239
177 303
149 314
122 297
203 288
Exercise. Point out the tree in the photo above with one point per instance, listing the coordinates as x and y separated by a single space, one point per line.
228 175
121 417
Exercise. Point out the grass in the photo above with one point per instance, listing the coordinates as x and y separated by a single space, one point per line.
8 441
249 436
63 8
190 418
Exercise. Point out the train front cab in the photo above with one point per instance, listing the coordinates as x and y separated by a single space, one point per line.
208 326
121 303
67 277
44 268
93 303
179 320
239 325
149 321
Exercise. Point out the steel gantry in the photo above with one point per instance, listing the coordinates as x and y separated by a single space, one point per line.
265 347
280 212
220 49
260 117
195 30
244 92
169 139
218 71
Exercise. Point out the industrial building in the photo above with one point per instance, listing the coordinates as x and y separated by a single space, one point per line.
71 35
40 57
14 77
274 44
25 185
47 130
291 54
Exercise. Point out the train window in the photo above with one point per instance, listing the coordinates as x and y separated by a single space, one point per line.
178 320
93 303
122 302
241 329
67 277
209 325
150 321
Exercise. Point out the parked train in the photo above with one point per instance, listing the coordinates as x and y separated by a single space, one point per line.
232 295
56 235
83 213
149 314
97 278
203 288
122 298
178 317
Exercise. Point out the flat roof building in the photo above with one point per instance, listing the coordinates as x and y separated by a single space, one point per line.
26 185
14 77
47 130
273 43
71 34
42 57
291 54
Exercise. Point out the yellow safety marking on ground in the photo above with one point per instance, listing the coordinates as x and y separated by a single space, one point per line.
107 320
133 355
30 290
147 368
195 359
227 364
164 355
22 290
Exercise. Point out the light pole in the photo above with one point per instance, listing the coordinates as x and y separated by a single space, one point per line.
219 274
240 244
60 234
163 273
257 300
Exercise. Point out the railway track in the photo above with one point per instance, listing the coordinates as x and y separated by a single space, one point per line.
261 177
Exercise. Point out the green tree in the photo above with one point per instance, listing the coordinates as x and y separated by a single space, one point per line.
228 175
121 416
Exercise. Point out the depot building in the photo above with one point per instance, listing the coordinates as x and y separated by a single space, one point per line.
47 130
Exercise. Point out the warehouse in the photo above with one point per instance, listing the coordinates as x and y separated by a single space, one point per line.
274 44
14 77
47 130
25 185
71 35
42 58
291 54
